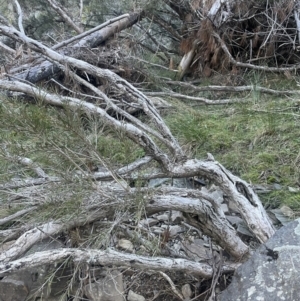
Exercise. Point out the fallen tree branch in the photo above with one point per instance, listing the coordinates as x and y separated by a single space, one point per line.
111 257
204 101
232 88
173 287
47 69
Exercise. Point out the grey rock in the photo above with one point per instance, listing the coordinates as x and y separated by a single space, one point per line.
217 195
126 245
234 220
233 207
196 250
163 217
277 186
111 288
13 290
149 222
158 230
186 291
293 189
175 230
224 208
176 217
273 272
134 297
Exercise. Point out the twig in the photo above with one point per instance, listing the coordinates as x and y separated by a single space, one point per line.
62 13
173 287
201 99
246 65
20 17
15 215
8 49
232 88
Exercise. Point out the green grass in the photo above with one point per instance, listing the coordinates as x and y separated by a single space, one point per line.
257 140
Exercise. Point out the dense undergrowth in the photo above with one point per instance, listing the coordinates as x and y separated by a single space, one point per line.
258 140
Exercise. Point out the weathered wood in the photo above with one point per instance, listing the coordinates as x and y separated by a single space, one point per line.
111 257
47 69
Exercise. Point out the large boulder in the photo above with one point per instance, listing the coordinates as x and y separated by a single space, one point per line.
272 273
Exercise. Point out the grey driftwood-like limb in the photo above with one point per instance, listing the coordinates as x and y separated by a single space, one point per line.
213 222
107 175
28 162
19 183
132 131
202 100
38 233
239 192
20 17
83 36
28 239
115 81
112 257
231 89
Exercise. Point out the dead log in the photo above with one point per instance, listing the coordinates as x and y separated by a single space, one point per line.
46 69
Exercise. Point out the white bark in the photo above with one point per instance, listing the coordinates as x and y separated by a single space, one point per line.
111 257
28 239
239 192
185 63
213 223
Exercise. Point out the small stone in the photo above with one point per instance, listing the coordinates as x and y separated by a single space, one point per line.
176 217
217 195
134 297
111 288
233 207
163 217
186 291
277 186
149 222
125 245
293 189
224 208
175 230
158 230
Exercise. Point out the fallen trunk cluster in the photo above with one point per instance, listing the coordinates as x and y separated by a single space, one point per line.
114 107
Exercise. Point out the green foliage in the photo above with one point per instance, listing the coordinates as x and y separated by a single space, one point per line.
64 143
257 140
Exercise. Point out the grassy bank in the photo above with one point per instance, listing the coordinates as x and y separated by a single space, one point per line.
258 140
